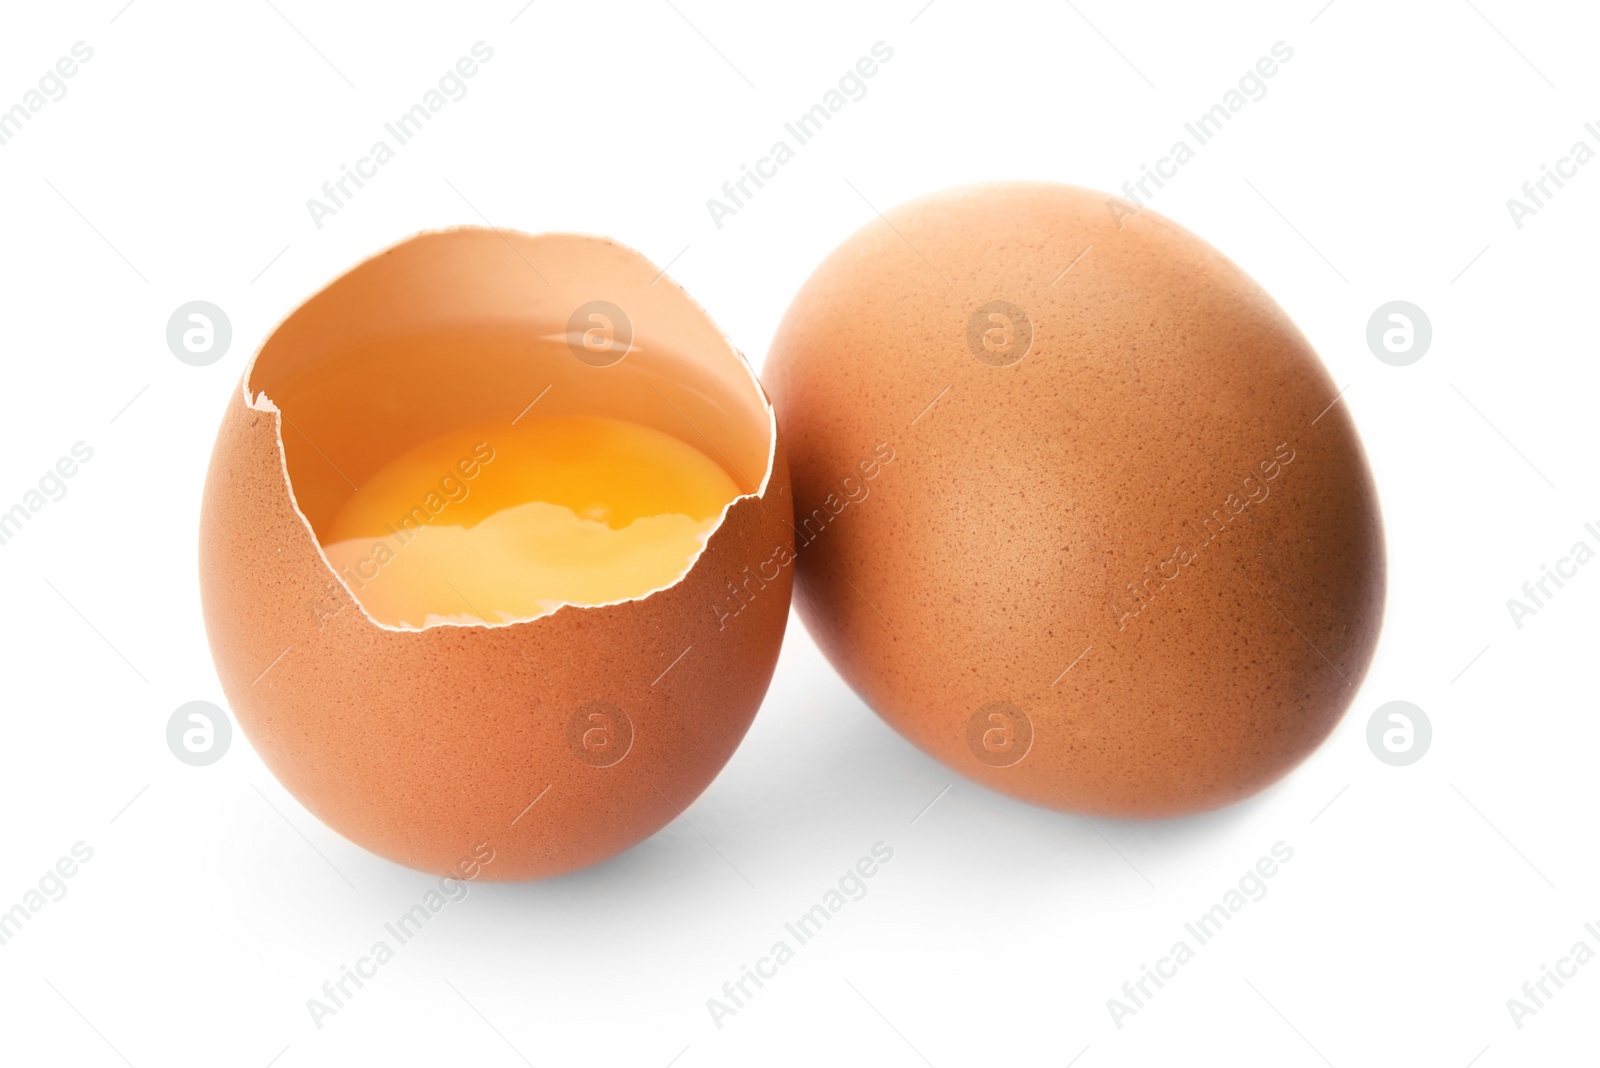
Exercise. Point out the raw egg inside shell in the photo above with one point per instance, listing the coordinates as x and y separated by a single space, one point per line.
467 547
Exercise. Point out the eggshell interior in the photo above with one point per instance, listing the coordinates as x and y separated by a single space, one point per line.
1078 533
423 745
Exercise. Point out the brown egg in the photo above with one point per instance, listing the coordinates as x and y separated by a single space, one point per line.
547 742
1077 512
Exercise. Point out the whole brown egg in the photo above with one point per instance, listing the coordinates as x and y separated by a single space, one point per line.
1077 510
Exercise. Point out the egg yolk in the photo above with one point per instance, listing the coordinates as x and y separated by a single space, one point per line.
506 522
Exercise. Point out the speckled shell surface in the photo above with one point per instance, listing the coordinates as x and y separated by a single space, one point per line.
422 745
1126 558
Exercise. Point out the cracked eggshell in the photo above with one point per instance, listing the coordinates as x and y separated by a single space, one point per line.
1128 558
423 745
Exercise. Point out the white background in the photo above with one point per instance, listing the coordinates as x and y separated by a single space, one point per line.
1377 168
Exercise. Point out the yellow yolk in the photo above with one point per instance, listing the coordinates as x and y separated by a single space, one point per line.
505 522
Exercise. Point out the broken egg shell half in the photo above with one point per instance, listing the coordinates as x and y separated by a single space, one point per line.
422 745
